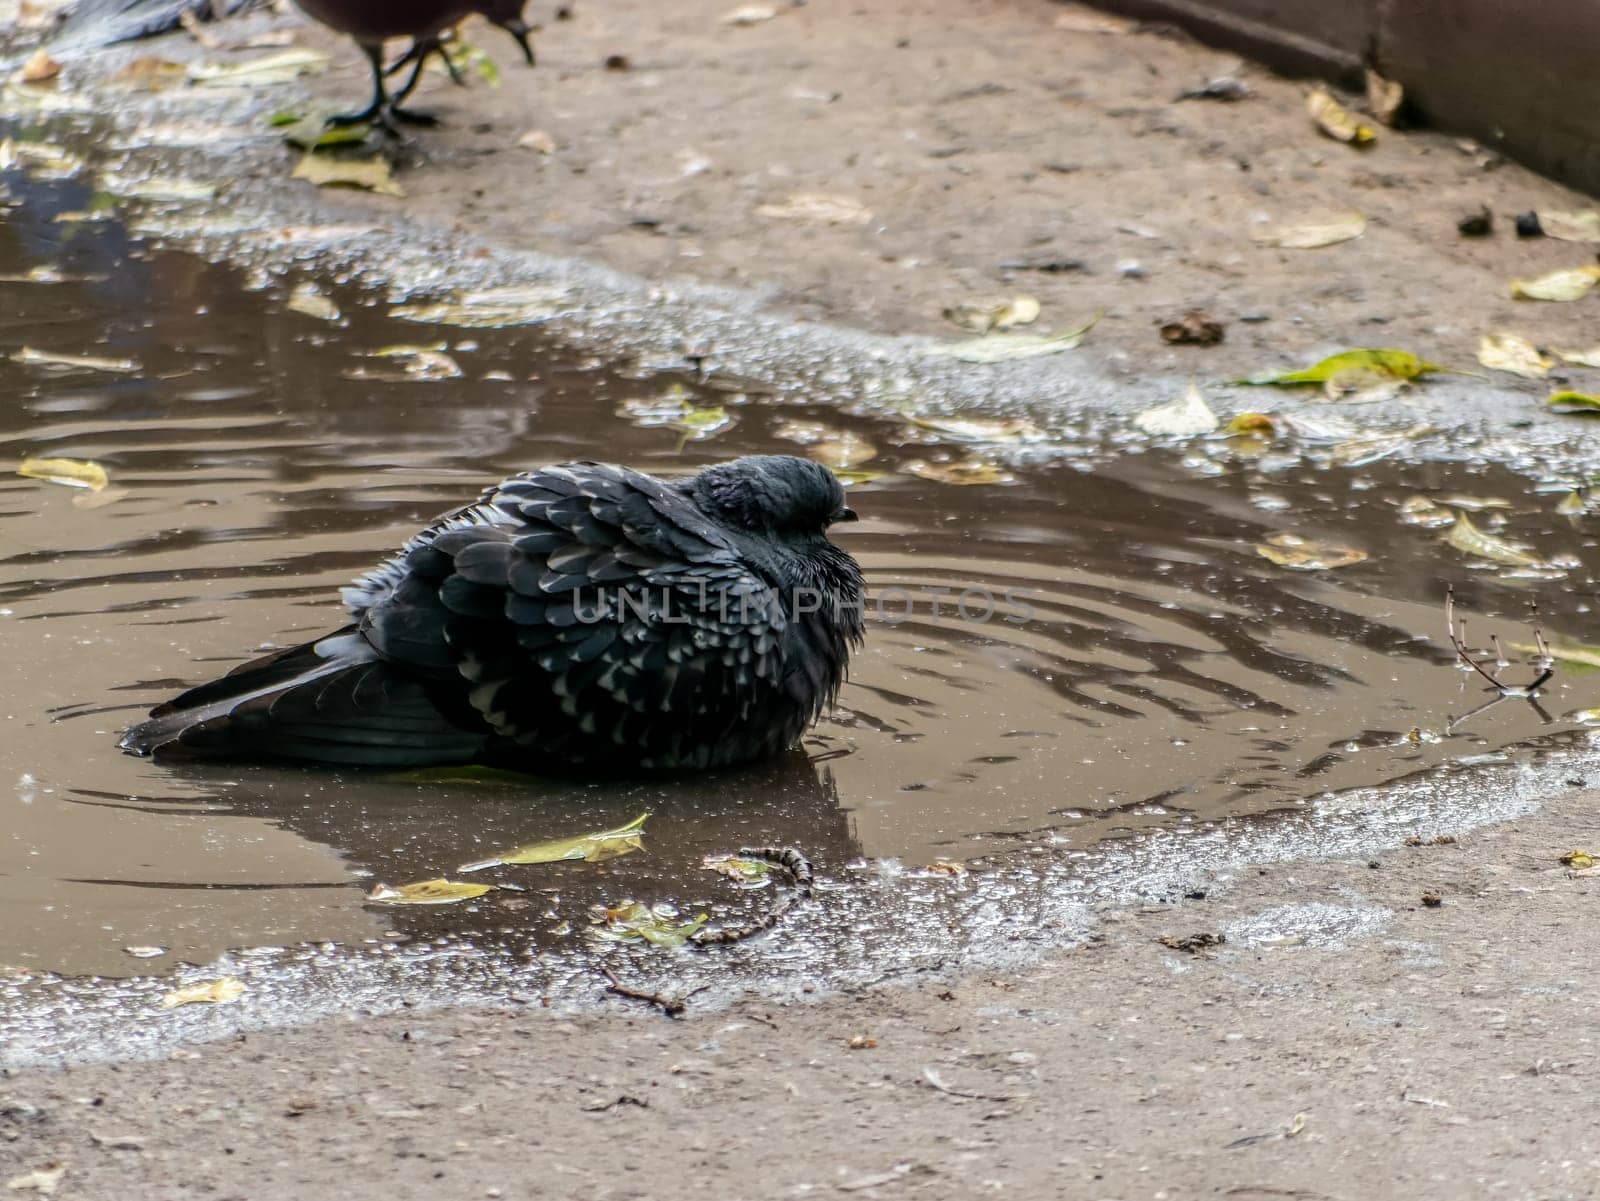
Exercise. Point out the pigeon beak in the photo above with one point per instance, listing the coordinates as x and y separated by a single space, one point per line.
846 514
518 28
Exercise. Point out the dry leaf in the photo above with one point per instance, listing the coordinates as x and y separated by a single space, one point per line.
41 1180
259 72
633 922
422 362
210 992
1470 540
1333 119
1185 417
427 892
1314 234
1003 348
980 319
813 206
39 68
748 873
1573 283
1573 503
843 452
308 300
157 188
1581 358
1384 97
749 14
29 356
537 140
1305 554
591 848
372 174
1421 511
980 429
963 472
1502 351
1581 225
73 473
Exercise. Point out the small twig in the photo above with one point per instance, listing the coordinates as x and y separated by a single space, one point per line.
1458 639
936 1082
671 1006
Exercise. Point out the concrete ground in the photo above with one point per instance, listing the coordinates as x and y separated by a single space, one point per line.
1406 1050
1360 1045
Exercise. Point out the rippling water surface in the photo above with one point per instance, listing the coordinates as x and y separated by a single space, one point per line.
1143 667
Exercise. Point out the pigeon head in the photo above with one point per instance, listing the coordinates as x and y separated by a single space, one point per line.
772 494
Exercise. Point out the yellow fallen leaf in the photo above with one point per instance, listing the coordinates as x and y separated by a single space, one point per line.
1420 510
1021 310
39 67
29 356
1582 225
371 174
74 473
1185 417
150 73
1573 283
1572 504
1503 351
591 848
1258 424
1470 540
427 892
1384 97
211 992
1313 234
1400 364
751 873
1578 860
308 300
963 472
1306 554
1333 119
818 208
1568 401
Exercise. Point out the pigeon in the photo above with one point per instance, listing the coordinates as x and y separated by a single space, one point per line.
581 617
370 23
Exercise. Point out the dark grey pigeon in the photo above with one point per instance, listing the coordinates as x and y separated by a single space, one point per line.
581 616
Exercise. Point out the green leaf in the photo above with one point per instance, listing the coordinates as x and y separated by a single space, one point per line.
1574 402
1400 364
632 921
591 848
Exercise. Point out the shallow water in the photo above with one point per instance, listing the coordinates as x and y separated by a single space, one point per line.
1145 669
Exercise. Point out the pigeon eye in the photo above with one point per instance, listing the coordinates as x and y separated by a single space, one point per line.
843 513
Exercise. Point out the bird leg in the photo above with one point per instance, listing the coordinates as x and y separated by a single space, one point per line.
380 99
418 56
383 110
518 28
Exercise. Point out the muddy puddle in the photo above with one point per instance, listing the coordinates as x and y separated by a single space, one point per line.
1087 648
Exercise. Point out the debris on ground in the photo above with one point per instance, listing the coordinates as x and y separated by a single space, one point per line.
1192 943
1195 328
1476 225
1432 899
